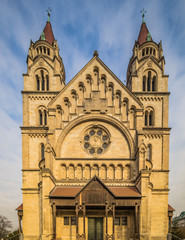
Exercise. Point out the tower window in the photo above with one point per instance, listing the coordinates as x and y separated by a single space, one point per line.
148 81
47 82
38 82
153 83
146 51
42 151
143 52
43 81
40 117
144 83
45 117
48 51
154 52
149 117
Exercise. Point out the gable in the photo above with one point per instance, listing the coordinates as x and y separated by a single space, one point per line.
94 89
95 192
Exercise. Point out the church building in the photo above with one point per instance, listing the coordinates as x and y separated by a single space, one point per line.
95 153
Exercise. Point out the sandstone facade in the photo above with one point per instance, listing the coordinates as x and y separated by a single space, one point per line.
95 152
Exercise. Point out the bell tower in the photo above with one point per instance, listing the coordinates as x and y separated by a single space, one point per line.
44 79
147 81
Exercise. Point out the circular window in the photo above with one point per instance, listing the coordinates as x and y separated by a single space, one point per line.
96 140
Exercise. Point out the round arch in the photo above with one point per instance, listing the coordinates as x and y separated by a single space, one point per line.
108 119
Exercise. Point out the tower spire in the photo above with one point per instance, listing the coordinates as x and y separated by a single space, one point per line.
144 34
47 34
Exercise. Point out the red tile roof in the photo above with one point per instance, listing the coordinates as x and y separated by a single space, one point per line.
125 191
49 36
73 191
143 34
20 207
65 191
170 209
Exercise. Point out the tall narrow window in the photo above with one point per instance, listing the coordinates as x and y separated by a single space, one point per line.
40 117
146 118
43 82
148 81
45 117
150 118
38 83
153 83
47 82
144 83
42 151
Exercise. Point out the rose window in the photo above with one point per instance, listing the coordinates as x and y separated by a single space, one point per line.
96 141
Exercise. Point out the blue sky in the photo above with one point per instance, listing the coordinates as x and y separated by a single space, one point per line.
80 27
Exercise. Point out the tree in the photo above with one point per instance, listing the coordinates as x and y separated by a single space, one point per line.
5 227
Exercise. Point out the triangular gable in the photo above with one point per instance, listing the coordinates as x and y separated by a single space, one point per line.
151 58
95 179
72 84
38 59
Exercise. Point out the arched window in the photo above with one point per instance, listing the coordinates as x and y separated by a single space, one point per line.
153 83
45 117
47 82
149 81
42 151
146 118
43 81
149 117
149 152
38 82
40 117
144 83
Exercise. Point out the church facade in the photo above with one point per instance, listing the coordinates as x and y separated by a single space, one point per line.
95 153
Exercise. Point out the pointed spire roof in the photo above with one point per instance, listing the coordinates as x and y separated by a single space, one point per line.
144 34
47 33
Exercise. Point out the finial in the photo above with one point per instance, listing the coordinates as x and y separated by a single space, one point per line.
148 37
95 54
143 14
49 13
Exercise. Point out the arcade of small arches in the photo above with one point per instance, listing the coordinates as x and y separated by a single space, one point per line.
87 171
42 80
148 51
149 81
43 50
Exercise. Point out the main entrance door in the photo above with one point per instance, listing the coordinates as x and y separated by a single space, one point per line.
95 228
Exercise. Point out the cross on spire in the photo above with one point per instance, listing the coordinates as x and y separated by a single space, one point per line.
49 13
143 14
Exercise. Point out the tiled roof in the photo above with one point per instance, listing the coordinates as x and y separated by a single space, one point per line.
143 34
20 207
125 191
48 32
73 191
65 191
170 209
